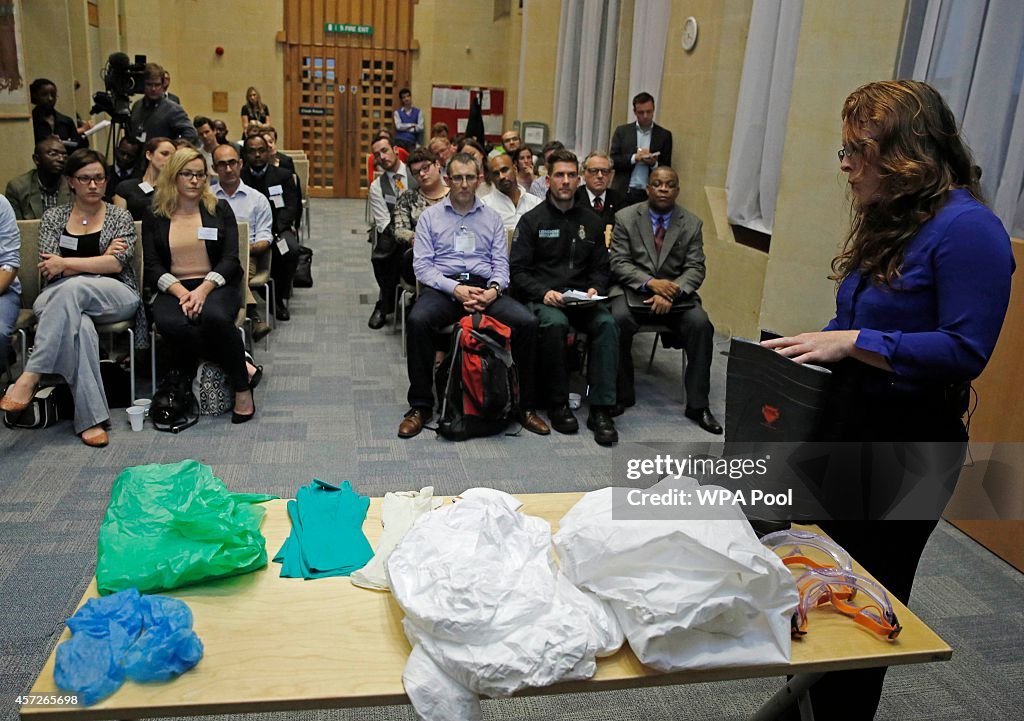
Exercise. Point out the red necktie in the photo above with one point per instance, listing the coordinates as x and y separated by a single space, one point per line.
598 205
659 236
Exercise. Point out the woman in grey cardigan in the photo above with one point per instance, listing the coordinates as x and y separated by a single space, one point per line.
85 253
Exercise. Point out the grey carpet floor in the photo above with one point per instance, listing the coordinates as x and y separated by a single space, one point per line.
329 407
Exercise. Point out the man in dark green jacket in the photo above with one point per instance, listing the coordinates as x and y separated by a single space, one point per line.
559 247
38 190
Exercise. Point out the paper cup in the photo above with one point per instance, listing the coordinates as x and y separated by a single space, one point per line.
136 414
575 401
144 403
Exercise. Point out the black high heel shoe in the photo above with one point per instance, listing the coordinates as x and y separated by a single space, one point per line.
237 418
258 375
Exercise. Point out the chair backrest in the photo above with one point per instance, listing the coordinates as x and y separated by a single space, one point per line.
243 255
28 271
302 170
293 153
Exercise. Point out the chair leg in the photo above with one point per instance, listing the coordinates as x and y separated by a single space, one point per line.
152 362
131 361
399 297
24 348
269 303
654 349
402 311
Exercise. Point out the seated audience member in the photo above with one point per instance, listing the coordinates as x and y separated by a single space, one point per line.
473 147
540 185
559 246
47 121
255 111
85 252
167 89
439 130
125 165
425 169
154 116
279 159
10 286
136 194
252 207
638 148
594 193
408 122
191 257
523 159
207 139
440 146
457 282
657 255
392 179
510 143
278 185
508 199
220 130
36 191
401 152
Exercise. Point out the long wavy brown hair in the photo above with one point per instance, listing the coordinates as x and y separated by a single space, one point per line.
906 132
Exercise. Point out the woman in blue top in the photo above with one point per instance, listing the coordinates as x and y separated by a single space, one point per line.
924 283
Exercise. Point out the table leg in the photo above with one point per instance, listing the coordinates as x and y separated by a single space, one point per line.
795 691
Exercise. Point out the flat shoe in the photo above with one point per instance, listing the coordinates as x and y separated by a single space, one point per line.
96 440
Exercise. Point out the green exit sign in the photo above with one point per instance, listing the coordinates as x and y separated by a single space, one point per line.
349 29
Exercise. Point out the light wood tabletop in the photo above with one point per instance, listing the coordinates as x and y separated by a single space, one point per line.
275 644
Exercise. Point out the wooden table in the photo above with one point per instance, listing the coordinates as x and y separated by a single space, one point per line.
274 644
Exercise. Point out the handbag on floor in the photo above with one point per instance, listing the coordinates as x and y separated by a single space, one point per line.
48 406
174 408
304 272
212 390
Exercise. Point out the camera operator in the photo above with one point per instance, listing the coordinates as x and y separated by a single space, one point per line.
156 116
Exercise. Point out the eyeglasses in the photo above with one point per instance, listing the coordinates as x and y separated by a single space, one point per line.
597 171
192 175
422 170
221 164
87 179
850 149
460 179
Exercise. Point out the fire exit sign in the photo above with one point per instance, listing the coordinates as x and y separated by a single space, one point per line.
348 28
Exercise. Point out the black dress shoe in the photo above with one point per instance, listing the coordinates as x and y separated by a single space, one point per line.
563 420
705 420
601 423
617 410
281 311
377 319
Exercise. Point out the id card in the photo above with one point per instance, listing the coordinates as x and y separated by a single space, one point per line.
207 234
145 187
69 242
275 190
277 201
465 240
282 246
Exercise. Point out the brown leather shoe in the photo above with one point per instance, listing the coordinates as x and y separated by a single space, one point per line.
97 439
9 405
535 424
413 423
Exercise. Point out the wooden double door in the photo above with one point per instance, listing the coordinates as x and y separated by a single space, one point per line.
340 88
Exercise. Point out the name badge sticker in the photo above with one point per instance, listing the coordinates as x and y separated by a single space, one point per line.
69 242
145 187
277 201
548 233
207 234
465 240
275 190
390 199
282 246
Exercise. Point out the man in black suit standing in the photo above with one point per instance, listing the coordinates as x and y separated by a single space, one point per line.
657 263
638 148
279 187
594 193
157 117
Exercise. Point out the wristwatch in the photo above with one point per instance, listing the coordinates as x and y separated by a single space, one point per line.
496 286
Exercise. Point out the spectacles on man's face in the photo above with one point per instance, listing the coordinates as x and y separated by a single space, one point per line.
88 179
460 179
598 171
222 164
192 174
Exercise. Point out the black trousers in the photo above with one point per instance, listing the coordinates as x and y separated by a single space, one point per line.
282 270
433 311
387 270
213 335
698 334
603 336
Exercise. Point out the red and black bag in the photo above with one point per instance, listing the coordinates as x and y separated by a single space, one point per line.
477 383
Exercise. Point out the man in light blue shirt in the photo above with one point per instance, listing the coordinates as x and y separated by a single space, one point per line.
251 206
10 286
460 257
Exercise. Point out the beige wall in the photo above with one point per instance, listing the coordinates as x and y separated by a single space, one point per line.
861 42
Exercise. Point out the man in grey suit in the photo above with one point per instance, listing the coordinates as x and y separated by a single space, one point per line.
38 190
657 263
637 148
154 116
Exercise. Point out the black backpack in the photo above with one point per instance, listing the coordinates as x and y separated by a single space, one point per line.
477 383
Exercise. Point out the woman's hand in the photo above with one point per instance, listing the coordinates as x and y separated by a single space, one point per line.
192 302
822 347
117 245
52 265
